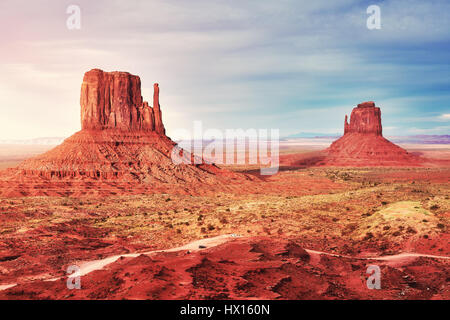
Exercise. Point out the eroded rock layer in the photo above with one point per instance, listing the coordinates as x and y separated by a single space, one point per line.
366 119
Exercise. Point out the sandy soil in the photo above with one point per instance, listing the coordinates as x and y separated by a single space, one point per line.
248 268
332 222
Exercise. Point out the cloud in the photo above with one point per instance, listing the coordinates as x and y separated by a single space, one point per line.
293 65
436 130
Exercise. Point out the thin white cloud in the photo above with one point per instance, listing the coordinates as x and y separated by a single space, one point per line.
441 130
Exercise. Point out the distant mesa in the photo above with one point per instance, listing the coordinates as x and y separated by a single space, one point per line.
122 148
362 144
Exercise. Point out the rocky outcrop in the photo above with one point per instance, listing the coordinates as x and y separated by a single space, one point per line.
365 118
121 149
159 127
112 100
148 117
363 143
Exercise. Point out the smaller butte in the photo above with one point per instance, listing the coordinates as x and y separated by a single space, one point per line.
362 145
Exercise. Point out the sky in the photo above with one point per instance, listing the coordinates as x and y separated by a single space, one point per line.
298 66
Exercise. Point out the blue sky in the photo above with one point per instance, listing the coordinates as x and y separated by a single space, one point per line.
293 65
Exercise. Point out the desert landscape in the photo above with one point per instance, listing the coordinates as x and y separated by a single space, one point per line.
110 201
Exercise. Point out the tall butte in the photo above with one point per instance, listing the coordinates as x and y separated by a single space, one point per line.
112 100
121 148
363 143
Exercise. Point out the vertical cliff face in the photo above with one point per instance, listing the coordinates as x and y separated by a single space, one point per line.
365 119
112 100
159 127
148 117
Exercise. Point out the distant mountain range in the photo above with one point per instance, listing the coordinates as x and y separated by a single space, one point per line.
420 139
313 135
423 139
35 141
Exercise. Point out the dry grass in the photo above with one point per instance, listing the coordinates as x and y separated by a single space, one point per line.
169 220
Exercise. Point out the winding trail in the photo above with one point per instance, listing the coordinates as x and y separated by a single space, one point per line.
90 266
394 257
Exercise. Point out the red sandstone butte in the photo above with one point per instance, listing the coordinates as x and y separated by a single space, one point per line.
121 149
159 127
363 143
112 100
365 119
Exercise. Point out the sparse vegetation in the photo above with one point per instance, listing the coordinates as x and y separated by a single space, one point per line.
341 216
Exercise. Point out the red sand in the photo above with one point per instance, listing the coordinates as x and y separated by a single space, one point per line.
249 268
